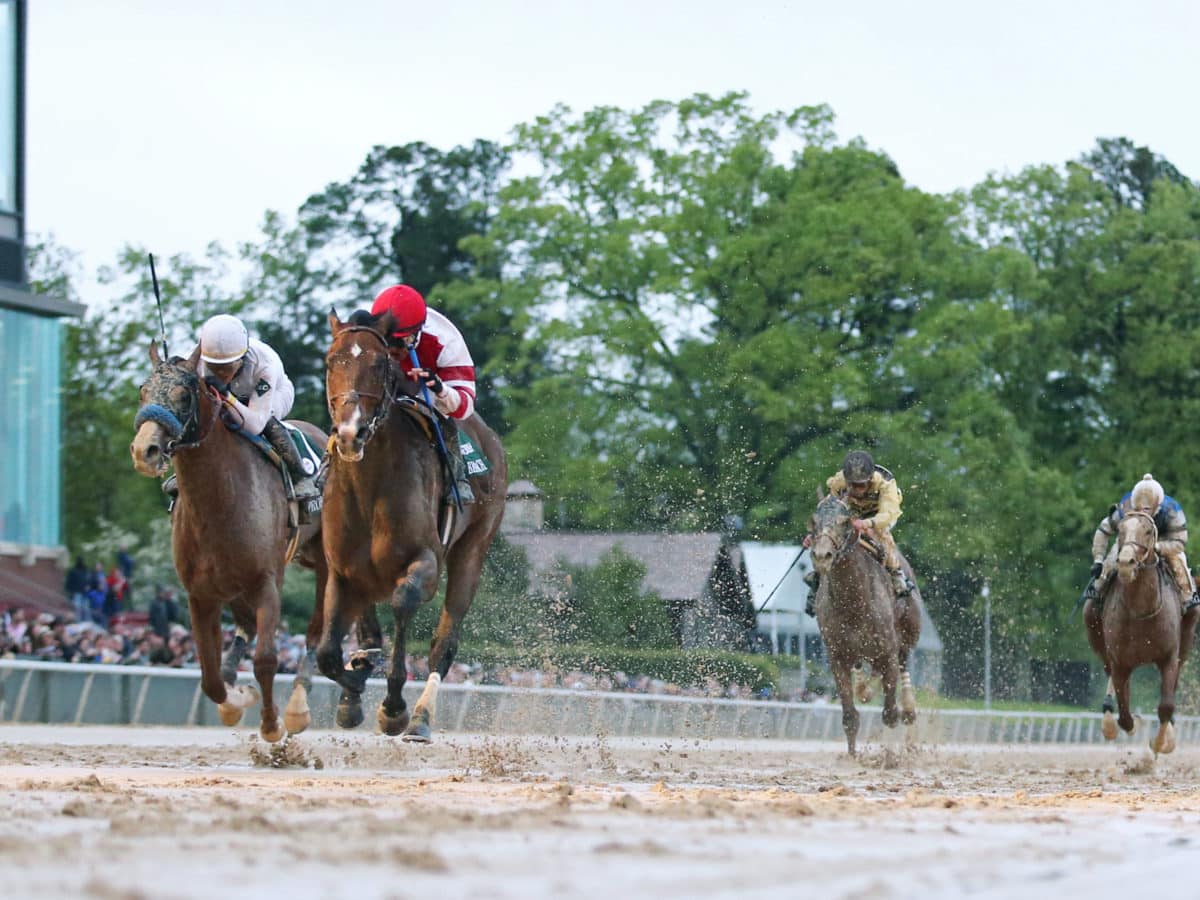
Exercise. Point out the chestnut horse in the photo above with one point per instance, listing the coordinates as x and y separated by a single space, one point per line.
230 537
386 534
1135 621
860 618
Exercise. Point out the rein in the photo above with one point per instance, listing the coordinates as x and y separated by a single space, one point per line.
840 548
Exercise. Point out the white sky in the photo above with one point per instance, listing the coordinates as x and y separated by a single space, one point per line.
170 123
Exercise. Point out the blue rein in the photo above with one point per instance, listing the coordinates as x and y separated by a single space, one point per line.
437 429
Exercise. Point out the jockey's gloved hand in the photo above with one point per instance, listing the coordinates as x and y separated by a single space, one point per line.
1096 569
217 385
430 379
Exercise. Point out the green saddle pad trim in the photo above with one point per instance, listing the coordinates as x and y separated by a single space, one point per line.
306 446
474 460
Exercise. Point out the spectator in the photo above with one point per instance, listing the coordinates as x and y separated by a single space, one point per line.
76 588
163 611
125 564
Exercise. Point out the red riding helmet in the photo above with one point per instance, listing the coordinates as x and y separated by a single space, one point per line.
405 304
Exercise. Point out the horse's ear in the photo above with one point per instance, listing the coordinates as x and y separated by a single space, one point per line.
155 359
385 324
193 361
335 324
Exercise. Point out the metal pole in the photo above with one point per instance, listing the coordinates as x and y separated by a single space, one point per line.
987 646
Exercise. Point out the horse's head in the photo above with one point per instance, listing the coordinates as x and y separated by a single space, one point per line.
833 535
1136 536
360 380
168 414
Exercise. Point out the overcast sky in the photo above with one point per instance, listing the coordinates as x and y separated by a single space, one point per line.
171 123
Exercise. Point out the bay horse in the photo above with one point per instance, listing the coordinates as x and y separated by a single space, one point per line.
1135 621
230 538
387 534
860 618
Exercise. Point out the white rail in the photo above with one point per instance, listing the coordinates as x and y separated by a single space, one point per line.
47 692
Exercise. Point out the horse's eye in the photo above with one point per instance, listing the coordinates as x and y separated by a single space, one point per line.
179 394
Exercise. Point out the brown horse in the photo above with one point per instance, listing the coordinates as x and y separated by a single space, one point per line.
388 534
1135 621
230 537
860 618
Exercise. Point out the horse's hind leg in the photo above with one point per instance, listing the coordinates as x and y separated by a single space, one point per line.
266 660
417 587
890 676
1108 727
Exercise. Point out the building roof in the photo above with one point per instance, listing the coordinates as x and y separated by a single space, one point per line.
678 566
524 488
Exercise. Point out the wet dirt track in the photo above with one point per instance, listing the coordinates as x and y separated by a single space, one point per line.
175 813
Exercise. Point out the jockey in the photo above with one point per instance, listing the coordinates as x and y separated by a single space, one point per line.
255 390
874 499
1148 496
446 367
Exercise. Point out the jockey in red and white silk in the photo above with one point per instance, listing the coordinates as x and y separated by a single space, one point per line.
445 363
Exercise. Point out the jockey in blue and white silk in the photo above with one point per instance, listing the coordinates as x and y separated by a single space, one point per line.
1148 496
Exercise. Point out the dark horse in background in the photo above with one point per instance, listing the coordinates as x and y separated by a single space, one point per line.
230 535
859 616
389 533
1135 621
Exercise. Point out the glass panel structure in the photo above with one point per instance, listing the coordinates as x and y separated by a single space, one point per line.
30 413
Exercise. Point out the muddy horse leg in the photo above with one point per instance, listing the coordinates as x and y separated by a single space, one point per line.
1108 727
1120 680
296 716
845 689
415 588
465 566
266 659
329 654
206 627
889 673
908 696
1163 740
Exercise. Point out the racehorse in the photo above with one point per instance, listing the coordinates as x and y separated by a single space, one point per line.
1135 621
230 535
388 532
859 616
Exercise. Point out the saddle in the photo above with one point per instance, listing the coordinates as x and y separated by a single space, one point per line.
313 458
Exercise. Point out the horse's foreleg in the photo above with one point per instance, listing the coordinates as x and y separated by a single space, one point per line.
266 661
1163 740
845 689
206 627
1120 680
1108 727
890 676
329 655
296 715
417 587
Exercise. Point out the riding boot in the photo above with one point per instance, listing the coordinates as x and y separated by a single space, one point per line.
813 580
900 584
458 468
302 470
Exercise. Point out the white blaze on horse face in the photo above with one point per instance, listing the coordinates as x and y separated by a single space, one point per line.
356 351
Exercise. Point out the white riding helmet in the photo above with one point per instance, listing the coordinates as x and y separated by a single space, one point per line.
223 339
1147 494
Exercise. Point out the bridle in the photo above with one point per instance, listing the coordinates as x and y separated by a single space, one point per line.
384 396
1147 555
178 428
840 547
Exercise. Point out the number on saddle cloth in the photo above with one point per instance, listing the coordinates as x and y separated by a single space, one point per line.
311 453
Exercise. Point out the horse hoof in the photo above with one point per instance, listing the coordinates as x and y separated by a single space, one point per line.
392 725
891 717
908 716
418 733
296 722
229 714
1164 740
1109 727
349 715
273 736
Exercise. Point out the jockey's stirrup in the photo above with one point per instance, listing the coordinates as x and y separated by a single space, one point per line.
901 584
1192 603
813 580
170 487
